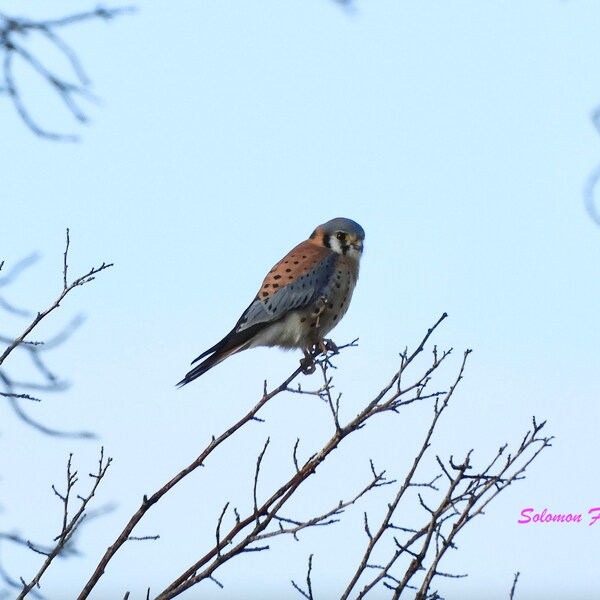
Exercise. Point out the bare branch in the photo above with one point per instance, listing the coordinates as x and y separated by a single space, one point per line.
220 522
70 524
89 276
589 190
14 390
450 499
15 33
148 502
256 474
309 593
65 263
514 586
387 520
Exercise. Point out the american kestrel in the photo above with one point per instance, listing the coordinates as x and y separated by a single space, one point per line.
301 299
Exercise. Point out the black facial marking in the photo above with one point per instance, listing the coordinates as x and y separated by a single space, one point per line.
327 240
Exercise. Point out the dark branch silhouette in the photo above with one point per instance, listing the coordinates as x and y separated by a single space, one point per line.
17 391
13 388
16 34
589 190
70 522
398 556
411 553
514 586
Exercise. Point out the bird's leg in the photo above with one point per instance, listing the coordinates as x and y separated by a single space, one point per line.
318 310
322 346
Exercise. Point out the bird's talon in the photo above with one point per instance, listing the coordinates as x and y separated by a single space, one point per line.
330 346
326 346
308 365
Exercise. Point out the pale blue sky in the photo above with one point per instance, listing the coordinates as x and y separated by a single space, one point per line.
457 133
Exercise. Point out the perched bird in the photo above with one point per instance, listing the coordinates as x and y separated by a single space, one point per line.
301 299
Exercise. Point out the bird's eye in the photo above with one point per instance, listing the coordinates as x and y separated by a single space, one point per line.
340 235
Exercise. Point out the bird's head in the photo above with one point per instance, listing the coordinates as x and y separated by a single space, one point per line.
343 236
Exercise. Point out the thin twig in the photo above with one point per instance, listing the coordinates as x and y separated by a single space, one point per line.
309 592
79 281
69 524
15 33
149 501
514 586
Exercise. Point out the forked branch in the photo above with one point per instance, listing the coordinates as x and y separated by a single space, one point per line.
15 47
70 521
15 390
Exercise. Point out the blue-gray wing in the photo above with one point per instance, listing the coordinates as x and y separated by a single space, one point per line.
307 286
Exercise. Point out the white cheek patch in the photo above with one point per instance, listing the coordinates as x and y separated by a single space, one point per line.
336 245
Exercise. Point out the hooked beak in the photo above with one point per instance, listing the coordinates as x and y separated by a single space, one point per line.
357 245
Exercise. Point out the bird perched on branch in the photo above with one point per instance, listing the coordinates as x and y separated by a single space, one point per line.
301 299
